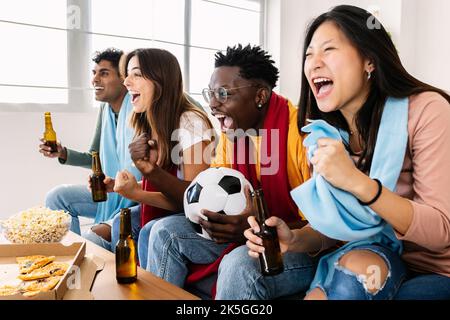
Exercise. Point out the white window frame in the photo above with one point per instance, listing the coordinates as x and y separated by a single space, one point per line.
79 50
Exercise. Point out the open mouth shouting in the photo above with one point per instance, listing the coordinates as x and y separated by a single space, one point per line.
323 87
226 122
134 96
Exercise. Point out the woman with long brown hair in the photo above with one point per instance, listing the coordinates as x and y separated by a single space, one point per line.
172 143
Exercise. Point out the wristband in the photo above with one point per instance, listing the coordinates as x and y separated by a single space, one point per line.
380 188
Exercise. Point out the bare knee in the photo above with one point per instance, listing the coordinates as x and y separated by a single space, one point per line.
103 230
371 267
316 294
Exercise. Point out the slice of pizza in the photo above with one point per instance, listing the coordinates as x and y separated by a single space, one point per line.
31 288
30 293
8 290
52 269
30 263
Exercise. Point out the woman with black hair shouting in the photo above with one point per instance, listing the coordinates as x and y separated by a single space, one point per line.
379 144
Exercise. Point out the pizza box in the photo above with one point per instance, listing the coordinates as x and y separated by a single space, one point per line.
89 267
72 254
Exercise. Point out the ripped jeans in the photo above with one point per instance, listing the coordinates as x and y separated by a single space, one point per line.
114 223
347 285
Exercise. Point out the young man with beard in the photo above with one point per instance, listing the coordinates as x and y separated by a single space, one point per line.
111 139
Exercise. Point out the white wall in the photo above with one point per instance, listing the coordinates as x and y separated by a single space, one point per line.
420 30
26 175
272 30
432 43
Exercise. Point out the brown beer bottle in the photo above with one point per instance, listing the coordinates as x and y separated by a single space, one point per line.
270 260
98 187
49 133
126 261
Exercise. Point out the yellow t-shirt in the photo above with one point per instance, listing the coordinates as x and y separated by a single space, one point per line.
297 163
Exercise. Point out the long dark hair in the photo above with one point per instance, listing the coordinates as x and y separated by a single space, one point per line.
169 101
389 79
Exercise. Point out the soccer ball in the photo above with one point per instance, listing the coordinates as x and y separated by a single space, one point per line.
218 190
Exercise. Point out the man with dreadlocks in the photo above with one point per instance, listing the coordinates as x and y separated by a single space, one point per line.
260 139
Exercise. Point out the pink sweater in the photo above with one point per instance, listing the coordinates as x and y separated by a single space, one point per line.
425 181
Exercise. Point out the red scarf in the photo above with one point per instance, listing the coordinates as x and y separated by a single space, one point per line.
275 187
148 212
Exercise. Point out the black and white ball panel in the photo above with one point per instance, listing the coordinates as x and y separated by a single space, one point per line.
193 193
218 190
230 184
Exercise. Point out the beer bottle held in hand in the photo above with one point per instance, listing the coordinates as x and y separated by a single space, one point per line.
98 187
126 261
270 260
49 133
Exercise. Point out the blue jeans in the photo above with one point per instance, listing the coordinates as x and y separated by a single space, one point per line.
144 238
115 230
346 285
74 199
174 244
424 287
240 276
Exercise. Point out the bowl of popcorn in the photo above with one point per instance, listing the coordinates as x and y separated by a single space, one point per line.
36 225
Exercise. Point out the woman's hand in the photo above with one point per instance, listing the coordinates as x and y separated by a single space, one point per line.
109 183
126 185
254 243
332 162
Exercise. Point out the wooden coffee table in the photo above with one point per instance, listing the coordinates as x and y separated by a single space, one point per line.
147 287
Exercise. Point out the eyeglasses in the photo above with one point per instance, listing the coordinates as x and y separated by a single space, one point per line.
221 94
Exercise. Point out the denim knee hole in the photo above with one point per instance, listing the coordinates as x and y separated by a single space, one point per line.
362 278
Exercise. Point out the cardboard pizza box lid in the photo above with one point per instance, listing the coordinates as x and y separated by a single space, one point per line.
89 268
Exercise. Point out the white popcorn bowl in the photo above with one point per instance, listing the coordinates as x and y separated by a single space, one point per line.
36 225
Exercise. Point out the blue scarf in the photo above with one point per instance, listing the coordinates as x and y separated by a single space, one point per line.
337 213
114 156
